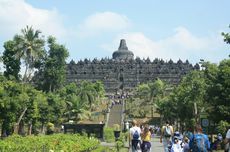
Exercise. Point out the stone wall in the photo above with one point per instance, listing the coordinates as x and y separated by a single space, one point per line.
127 73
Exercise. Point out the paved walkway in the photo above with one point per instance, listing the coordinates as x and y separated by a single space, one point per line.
156 145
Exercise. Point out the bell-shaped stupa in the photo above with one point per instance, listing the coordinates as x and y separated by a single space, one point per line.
123 53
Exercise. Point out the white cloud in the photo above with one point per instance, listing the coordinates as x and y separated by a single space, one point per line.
103 22
16 14
181 45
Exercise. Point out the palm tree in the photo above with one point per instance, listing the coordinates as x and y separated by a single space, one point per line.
30 47
157 91
150 92
76 109
87 93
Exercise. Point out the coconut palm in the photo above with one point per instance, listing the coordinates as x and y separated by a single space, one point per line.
30 47
150 93
87 93
76 109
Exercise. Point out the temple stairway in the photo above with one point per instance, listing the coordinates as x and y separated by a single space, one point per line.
115 116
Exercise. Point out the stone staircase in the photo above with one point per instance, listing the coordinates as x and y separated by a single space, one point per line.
115 116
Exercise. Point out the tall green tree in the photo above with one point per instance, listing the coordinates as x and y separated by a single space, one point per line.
150 93
11 61
32 114
55 66
44 112
191 96
217 77
166 108
218 90
8 106
13 104
57 107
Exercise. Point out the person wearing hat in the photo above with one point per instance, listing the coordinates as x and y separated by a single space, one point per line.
177 147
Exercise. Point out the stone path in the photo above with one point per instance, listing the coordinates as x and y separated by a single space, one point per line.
115 115
156 145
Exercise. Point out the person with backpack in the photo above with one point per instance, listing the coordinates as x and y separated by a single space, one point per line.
166 135
199 141
188 133
135 137
146 139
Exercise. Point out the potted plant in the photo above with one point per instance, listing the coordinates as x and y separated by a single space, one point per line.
116 131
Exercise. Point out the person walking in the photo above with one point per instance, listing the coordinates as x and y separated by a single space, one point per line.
166 135
227 141
199 141
146 139
135 137
177 144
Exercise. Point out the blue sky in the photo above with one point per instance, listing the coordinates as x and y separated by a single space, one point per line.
90 29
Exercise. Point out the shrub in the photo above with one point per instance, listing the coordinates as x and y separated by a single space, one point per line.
56 142
108 134
50 128
222 127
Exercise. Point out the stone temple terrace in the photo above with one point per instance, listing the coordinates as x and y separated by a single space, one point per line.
124 72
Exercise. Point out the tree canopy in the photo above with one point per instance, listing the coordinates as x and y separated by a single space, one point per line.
41 97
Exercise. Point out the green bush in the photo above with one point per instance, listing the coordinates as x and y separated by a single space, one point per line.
109 135
57 142
119 144
222 127
50 128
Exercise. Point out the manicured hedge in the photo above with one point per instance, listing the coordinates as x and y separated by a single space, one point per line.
49 143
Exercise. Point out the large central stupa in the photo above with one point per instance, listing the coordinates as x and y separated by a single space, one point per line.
123 53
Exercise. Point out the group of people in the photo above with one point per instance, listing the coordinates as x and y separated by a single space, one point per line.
173 141
177 142
189 141
140 138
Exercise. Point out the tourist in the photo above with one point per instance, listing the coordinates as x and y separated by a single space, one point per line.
227 141
142 128
146 139
135 137
199 141
186 145
166 135
188 133
177 144
152 132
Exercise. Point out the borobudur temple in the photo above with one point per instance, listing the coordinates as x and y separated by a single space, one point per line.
124 72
